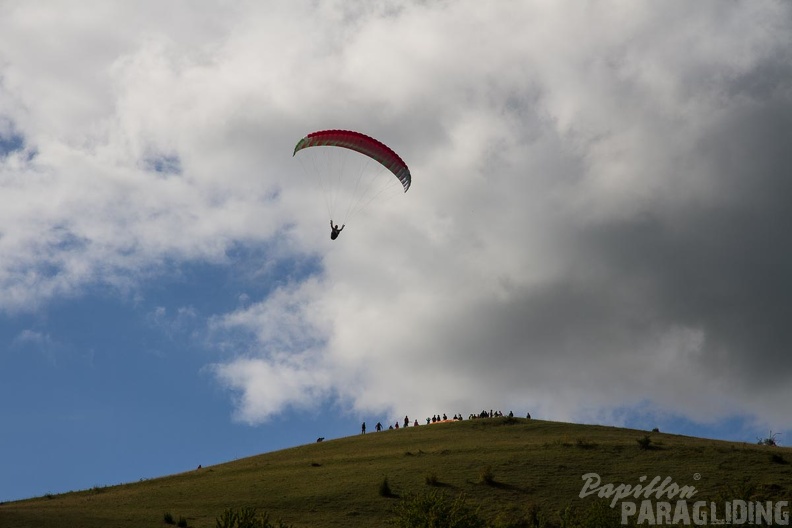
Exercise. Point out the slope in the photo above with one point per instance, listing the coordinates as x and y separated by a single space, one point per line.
504 466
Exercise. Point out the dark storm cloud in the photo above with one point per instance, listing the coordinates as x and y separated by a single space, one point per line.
721 263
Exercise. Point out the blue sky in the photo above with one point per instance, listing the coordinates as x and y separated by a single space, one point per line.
116 389
593 232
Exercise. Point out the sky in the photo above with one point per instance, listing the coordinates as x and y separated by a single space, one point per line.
595 230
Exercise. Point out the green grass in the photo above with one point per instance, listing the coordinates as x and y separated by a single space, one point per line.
502 466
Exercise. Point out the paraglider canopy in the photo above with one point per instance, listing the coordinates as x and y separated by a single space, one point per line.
353 169
362 143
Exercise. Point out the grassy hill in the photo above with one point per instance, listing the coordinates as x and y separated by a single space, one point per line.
506 467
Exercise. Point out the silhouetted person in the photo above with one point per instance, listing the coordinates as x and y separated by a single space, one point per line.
363 428
335 230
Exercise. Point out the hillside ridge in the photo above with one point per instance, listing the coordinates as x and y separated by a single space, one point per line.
502 466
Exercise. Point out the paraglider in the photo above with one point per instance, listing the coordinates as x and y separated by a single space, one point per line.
353 170
335 230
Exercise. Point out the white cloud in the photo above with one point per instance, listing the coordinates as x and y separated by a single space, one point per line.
89 206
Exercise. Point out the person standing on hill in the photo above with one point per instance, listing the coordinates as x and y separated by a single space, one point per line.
363 428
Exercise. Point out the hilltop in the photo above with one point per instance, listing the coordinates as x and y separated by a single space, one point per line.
507 467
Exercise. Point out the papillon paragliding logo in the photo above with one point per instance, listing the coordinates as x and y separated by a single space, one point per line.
661 502
353 170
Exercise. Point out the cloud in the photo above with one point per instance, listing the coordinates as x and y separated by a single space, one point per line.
135 163
277 354
40 344
32 337
173 325
594 222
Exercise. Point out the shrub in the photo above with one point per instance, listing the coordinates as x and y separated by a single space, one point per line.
770 440
486 476
228 519
384 488
435 510
247 518
644 442
431 480
168 518
182 522
533 518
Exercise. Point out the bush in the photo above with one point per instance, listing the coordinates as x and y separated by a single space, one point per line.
182 522
770 440
435 510
486 476
644 442
384 488
168 518
247 518
533 518
431 480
